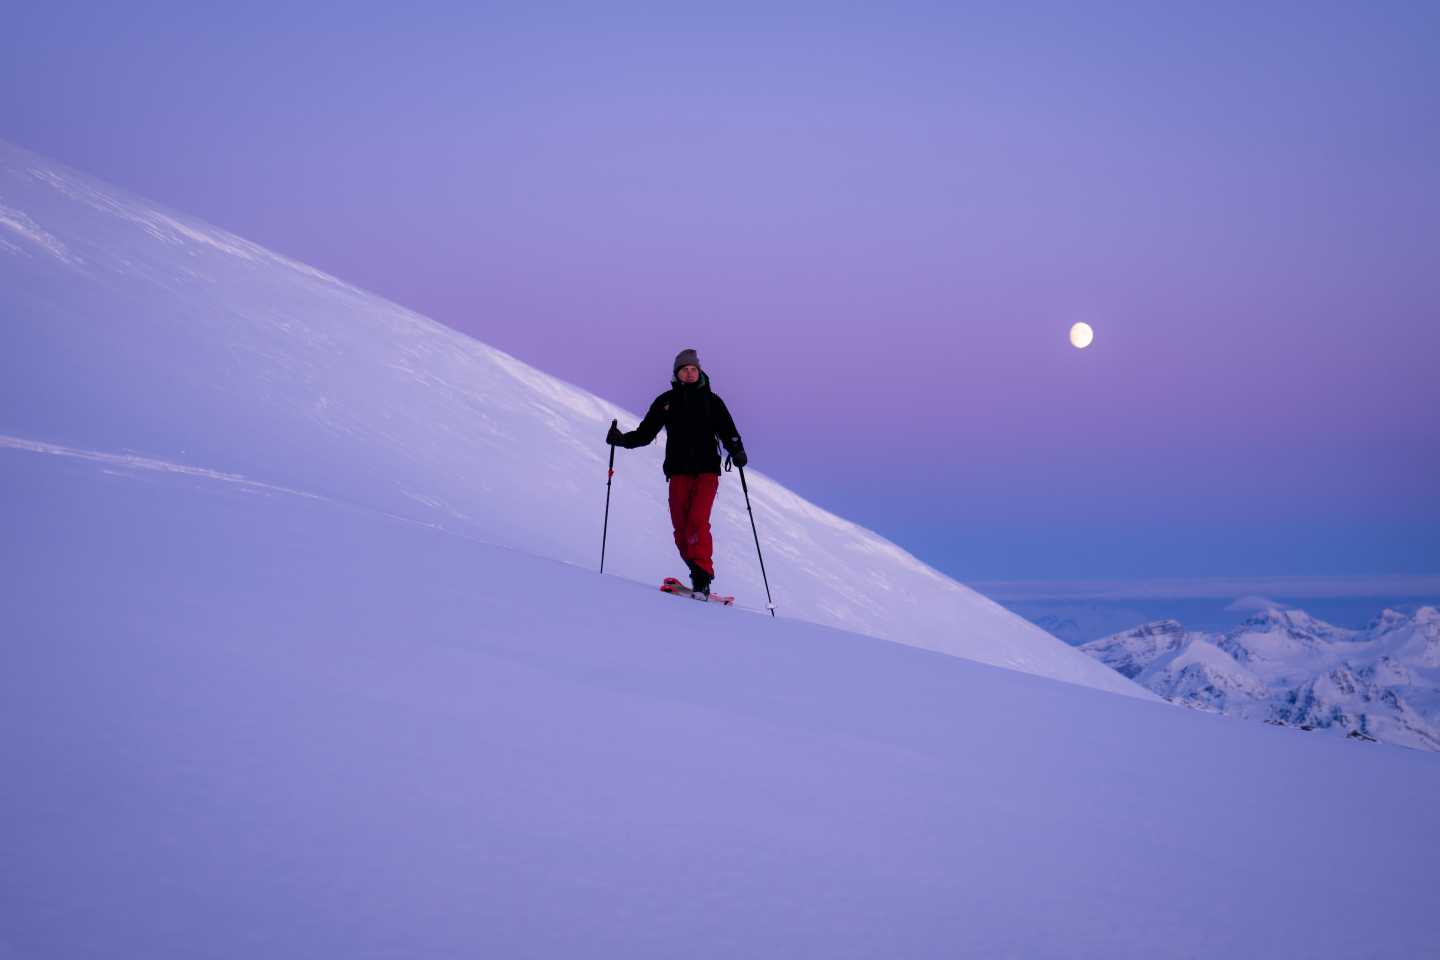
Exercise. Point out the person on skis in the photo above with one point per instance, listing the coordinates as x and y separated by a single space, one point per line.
694 417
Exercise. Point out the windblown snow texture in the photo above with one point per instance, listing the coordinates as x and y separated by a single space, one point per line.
132 331
267 691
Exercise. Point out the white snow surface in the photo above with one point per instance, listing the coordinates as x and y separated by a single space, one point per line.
254 706
1284 666
238 722
134 332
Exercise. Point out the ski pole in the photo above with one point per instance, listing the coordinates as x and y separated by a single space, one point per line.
746 487
608 477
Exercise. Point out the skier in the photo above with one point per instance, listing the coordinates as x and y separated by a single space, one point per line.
693 417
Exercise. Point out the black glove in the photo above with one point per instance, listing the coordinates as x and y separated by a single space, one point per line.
615 436
739 458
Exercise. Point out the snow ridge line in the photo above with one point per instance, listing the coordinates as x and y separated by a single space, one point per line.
135 461
28 229
138 462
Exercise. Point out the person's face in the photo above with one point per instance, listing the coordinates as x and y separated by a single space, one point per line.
688 373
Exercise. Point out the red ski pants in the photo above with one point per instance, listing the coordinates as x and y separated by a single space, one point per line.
691 497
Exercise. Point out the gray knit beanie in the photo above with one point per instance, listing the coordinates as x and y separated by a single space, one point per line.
684 358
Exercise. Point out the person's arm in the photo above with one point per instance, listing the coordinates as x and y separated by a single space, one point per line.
649 427
724 425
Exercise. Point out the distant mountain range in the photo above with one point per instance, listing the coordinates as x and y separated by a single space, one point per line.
1285 667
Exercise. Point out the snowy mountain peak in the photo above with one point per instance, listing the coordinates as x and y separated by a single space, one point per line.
1132 652
1277 634
1202 675
1285 666
1289 619
1425 619
1387 619
1412 640
1159 628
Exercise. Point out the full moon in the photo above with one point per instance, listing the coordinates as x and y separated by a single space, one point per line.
1081 335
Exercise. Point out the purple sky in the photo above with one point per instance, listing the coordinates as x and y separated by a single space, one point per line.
876 228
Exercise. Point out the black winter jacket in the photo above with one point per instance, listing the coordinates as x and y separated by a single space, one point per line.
693 417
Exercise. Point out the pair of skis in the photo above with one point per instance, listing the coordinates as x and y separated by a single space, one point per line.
671 585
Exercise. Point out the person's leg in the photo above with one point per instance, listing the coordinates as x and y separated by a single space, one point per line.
697 522
679 511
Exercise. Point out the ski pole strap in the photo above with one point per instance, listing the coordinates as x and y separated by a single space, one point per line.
727 463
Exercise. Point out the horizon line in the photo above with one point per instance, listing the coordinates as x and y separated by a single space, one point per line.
1217 588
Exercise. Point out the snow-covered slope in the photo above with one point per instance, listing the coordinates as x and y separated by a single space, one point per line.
240 722
136 334
1287 667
